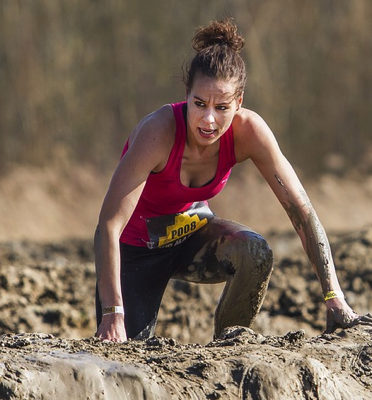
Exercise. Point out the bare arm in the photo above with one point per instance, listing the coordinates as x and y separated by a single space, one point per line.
264 151
149 148
107 258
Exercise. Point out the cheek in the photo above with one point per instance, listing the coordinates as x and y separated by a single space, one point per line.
227 120
194 113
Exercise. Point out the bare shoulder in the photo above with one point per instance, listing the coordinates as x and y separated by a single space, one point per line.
252 135
153 137
155 126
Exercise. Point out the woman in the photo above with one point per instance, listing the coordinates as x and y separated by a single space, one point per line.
155 223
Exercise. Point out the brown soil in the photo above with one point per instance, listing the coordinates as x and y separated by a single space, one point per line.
47 319
49 288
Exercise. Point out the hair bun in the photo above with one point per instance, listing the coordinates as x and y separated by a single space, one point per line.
223 32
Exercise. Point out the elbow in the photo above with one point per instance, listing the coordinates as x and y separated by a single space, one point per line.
108 229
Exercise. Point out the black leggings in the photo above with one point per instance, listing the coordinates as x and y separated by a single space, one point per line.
221 251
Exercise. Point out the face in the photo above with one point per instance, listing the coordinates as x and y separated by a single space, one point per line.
211 107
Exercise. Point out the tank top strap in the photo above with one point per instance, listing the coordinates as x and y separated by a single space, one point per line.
175 157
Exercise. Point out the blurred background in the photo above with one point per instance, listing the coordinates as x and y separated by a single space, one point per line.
77 75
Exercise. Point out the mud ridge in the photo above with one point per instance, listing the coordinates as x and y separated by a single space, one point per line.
48 349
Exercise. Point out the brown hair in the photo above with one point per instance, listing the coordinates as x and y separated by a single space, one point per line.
217 56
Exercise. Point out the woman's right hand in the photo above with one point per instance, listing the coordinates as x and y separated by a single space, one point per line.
112 328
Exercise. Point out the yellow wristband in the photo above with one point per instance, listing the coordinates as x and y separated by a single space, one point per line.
333 294
113 310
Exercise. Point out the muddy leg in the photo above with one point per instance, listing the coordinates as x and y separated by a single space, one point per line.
230 252
251 260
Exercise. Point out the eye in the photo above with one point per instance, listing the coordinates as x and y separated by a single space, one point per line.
222 108
199 104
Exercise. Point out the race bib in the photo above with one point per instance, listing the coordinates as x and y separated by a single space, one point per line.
171 230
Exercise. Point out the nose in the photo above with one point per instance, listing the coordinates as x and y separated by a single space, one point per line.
208 116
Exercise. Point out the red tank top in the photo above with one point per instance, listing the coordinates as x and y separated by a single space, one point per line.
164 193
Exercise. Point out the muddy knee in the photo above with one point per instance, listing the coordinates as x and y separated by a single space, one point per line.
247 247
251 261
261 254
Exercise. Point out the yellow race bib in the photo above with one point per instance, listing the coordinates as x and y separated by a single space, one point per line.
171 230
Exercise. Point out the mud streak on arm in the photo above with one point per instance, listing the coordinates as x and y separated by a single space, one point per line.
312 235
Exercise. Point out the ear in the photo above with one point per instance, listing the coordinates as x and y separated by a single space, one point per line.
239 100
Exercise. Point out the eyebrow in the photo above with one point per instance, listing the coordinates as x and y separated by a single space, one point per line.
221 103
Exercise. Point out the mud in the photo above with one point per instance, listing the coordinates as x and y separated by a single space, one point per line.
47 325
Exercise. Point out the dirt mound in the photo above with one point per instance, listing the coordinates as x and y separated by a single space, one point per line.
49 288
241 364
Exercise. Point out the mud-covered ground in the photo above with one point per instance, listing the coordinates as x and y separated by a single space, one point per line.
47 323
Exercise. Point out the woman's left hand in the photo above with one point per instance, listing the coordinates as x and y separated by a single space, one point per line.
340 315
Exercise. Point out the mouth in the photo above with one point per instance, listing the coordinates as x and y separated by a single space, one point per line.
206 132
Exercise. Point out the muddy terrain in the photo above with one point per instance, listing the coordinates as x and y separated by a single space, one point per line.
48 349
